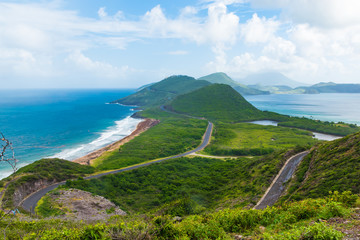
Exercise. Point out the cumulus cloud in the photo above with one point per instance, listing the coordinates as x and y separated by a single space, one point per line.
309 37
257 30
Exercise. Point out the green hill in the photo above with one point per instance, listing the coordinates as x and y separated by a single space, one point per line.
163 91
217 102
36 175
331 166
223 78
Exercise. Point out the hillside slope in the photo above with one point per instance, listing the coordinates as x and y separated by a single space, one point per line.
218 102
331 166
223 78
163 91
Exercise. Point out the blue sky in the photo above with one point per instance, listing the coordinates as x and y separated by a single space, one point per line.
125 44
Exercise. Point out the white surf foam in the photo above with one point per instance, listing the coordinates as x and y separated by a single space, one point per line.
110 135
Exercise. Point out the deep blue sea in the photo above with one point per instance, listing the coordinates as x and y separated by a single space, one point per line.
71 123
62 123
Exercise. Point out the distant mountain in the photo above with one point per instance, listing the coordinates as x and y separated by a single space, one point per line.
217 102
223 78
330 166
163 91
270 79
330 87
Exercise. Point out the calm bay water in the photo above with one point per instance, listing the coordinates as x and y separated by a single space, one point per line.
326 106
62 123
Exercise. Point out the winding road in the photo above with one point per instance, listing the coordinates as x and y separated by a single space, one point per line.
30 202
277 187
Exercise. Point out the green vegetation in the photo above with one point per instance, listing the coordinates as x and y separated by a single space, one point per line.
340 129
48 170
250 139
174 135
217 102
162 92
210 102
203 183
309 219
47 208
223 78
331 166
55 169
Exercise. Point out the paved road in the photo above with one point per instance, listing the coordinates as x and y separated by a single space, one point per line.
31 201
277 187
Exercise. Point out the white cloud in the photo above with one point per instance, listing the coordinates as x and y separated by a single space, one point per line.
316 38
221 27
101 69
102 13
279 48
259 30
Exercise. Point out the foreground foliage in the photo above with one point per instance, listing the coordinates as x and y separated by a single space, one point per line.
298 220
198 183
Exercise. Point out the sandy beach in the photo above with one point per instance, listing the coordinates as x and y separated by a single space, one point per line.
140 128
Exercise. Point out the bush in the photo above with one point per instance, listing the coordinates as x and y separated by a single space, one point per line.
320 231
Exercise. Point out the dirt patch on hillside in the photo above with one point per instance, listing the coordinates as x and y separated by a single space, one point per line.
140 128
81 205
349 226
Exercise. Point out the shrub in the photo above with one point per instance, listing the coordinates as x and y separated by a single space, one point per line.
320 231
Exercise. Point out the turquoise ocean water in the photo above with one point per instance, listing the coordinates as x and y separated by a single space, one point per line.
62 123
71 123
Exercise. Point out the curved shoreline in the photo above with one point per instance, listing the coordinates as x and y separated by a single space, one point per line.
140 128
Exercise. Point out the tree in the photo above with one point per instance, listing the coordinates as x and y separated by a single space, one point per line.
7 152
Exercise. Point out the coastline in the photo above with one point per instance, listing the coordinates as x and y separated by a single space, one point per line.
140 128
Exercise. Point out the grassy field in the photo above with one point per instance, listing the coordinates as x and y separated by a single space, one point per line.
173 135
252 139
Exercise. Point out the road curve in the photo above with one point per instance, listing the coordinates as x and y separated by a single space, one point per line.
31 201
276 188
